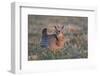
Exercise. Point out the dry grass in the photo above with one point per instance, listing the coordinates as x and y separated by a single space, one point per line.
76 47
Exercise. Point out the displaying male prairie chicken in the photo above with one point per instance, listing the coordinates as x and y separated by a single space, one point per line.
55 41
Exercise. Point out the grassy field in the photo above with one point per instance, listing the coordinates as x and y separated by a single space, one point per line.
77 47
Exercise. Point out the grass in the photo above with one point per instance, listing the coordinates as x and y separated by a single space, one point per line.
76 48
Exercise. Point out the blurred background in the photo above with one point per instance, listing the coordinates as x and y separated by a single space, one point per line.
75 32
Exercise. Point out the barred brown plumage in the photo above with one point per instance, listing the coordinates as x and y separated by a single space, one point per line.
54 41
